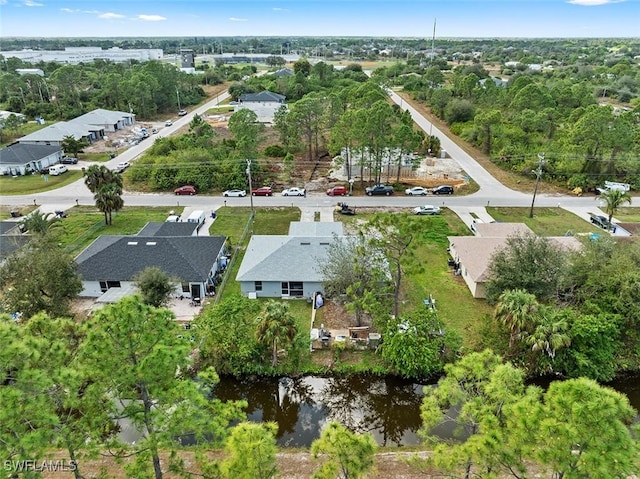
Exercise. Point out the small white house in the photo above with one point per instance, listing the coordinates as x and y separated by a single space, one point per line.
263 104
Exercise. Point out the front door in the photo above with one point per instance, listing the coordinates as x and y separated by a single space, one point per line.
196 291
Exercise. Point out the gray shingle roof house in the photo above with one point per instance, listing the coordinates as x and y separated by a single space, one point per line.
54 134
20 159
113 261
277 266
263 104
106 120
10 238
473 254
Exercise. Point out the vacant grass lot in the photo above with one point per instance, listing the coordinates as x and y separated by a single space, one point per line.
545 221
84 224
24 185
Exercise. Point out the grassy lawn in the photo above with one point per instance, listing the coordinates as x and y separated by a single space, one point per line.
545 221
84 224
628 214
23 185
429 274
100 157
5 211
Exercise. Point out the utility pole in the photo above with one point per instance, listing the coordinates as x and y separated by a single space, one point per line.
250 186
178 95
538 173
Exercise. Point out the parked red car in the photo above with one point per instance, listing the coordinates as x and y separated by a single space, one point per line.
337 191
262 191
185 190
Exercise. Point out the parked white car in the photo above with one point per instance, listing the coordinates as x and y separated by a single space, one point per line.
294 192
56 170
235 193
416 191
123 165
426 210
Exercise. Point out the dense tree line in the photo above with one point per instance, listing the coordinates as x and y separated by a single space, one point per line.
555 111
67 91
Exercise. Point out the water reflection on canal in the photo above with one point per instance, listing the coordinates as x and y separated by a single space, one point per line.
387 407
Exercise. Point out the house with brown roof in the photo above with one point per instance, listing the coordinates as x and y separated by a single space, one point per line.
472 255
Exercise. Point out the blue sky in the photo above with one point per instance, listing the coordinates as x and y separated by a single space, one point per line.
371 18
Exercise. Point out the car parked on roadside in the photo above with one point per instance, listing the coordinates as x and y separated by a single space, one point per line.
602 221
185 190
262 191
182 112
416 191
235 193
123 165
426 210
294 192
337 191
443 190
67 160
379 190
168 123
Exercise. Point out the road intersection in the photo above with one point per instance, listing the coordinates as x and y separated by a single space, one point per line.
491 191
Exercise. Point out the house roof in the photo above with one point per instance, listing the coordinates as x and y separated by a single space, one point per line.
10 242
501 230
263 96
315 228
168 229
283 72
23 153
283 258
476 252
120 258
57 132
101 116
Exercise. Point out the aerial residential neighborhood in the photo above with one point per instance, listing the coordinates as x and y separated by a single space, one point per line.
250 255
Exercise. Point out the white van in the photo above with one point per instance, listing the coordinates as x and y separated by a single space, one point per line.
196 217
56 170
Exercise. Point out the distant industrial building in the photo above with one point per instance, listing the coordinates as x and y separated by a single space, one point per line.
235 58
75 55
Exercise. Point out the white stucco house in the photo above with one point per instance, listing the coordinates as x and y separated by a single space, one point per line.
287 266
263 104
22 159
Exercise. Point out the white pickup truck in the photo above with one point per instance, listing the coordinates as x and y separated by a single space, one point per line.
613 186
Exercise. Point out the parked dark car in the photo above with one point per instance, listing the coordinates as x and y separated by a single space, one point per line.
185 190
379 190
262 191
602 222
337 191
69 161
443 190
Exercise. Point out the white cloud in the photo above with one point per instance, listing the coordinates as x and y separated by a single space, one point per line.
593 3
69 10
279 9
31 3
3 2
151 18
236 19
110 16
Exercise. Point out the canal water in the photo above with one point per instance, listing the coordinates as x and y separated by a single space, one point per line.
388 407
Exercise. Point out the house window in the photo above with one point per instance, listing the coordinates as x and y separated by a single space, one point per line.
105 285
294 289
185 287
258 286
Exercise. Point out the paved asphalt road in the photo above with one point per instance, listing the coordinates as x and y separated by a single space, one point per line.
491 191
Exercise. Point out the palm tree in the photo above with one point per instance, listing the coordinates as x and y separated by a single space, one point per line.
108 199
551 333
97 176
613 200
40 224
276 326
516 309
